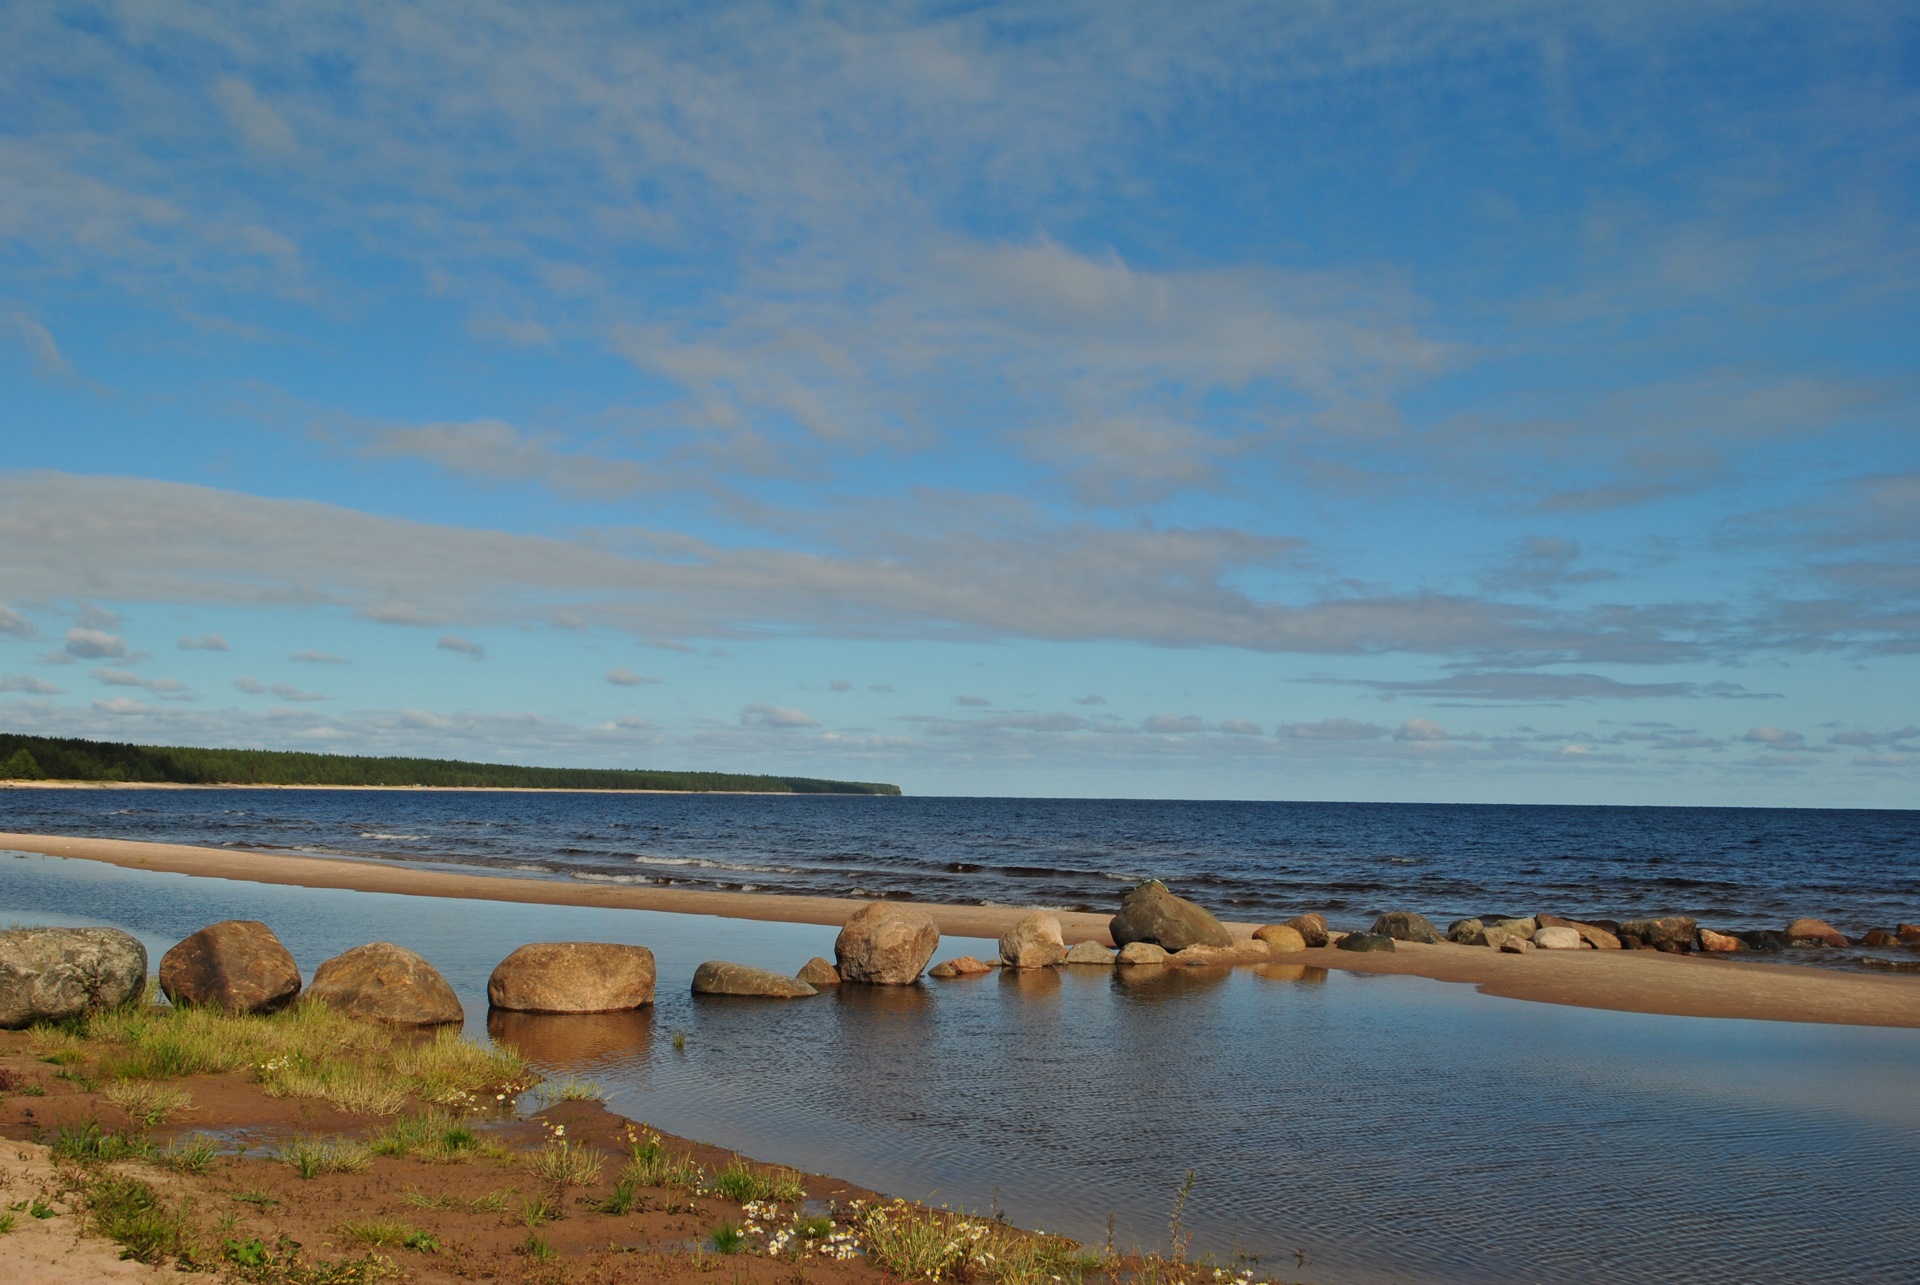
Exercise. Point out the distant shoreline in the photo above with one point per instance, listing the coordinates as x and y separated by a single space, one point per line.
416 789
1636 981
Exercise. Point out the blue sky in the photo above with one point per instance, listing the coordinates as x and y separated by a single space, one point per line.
1493 402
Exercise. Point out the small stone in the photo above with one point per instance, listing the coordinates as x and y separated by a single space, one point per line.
1814 932
1763 939
1880 937
1245 952
717 977
52 974
1366 942
885 945
1312 929
1514 944
1497 936
818 972
1404 925
573 977
237 965
1593 934
1034 941
964 966
1142 952
1516 927
1089 952
1558 939
1720 943
1909 933
1467 932
1153 914
382 982
1282 939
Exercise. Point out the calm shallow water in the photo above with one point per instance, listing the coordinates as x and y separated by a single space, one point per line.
1391 1129
1734 868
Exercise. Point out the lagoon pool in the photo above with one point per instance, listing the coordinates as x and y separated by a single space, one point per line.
1342 1128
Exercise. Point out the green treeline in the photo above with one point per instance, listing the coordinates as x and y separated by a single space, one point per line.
51 758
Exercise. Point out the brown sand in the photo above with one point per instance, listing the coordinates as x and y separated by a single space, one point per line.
52 1250
1627 981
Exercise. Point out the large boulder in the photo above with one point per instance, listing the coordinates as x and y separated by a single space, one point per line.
1553 938
1365 942
1671 933
1498 935
717 977
237 965
1467 932
382 982
1404 925
1090 952
1908 933
52 974
573 977
1034 941
885 944
1281 939
1151 913
1814 932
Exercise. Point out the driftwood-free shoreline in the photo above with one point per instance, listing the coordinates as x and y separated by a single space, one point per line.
1643 981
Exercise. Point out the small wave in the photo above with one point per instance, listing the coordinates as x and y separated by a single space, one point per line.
395 838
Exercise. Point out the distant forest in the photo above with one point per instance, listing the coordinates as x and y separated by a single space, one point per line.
52 758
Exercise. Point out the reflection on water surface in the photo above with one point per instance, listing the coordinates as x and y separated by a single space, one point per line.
1388 1128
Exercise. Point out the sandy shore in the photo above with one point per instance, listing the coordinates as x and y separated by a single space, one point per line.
1626 981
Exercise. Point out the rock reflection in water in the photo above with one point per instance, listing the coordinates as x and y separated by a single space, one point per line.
1306 974
580 1040
884 1001
1030 983
1154 982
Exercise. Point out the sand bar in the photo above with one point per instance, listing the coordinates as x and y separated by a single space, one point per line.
1625 981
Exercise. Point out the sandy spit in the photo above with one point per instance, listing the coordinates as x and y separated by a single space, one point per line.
1625 981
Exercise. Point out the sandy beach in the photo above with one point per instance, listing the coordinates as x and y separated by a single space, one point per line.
1627 981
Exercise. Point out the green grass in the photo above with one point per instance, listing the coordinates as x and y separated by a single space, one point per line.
650 1164
536 1248
727 1239
6 1223
915 1242
433 1136
741 1182
88 1144
563 1163
570 1089
193 1155
387 1232
131 1212
148 1104
493 1202
311 1157
258 1199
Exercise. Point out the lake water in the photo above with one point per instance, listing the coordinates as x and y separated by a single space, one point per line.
1733 868
1384 1129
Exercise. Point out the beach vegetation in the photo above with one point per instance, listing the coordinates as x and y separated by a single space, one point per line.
742 1183
923 1243
194 1154
536 1247
434 1136
562 1162
492 1202
128 1211
148 1104
85 1142
391 1233
570 1089
651 1164
727 1239
313 1156
63 758
6 1223
258 1199
283 1264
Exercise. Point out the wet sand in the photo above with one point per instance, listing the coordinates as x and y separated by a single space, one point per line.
1626 981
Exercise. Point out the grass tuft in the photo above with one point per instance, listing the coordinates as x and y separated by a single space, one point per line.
88 1144
148 1104
741 1182
194 1154
311 1157
571 1089
563 1162
131 1212
649 1164
434 1136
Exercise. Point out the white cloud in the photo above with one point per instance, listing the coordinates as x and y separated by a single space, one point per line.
463 646
258 124
1175 724
122 678
203 642
491 450
839 685
285 691
1331 729
318 658
48 361
122 707
1091 698
1240 727
1420 729
972 702
15 624
29 684
95 644
621 676
758 715
1774 736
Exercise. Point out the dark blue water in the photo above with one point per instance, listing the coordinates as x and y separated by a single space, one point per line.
1731 867
1390 1129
